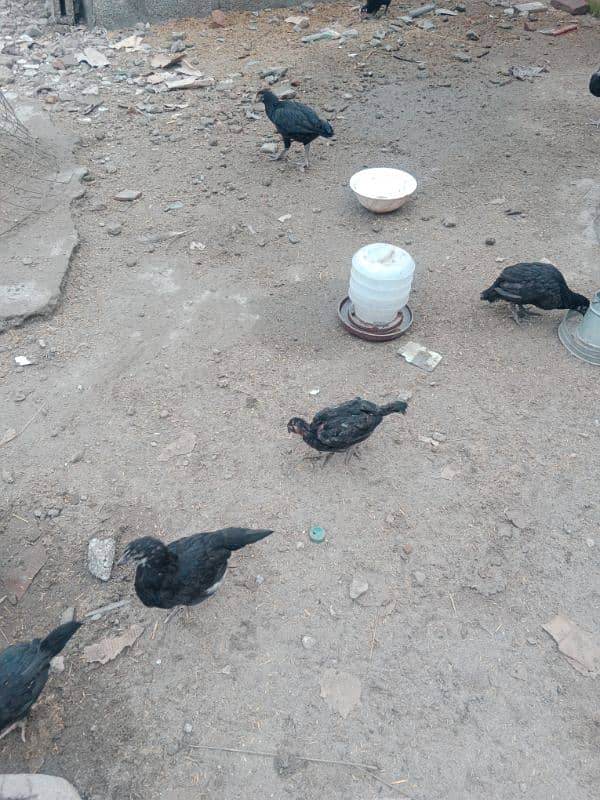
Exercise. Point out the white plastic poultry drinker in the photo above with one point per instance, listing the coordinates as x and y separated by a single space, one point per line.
380 283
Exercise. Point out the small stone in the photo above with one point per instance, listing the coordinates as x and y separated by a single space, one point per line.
218 19
437 436
101 554
172 748
8 476
57 664
472 36
114 229
259 580
226 670
419 577
33 31
408 548
213 141
464 57
177 47
308 642
571 6
131 262
357 588
130 411
269 147
292 238
164 414
299 23
52 513
490 241
448 222
128 195
178 36
188 727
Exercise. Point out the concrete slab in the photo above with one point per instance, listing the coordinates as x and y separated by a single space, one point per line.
32 787
35 254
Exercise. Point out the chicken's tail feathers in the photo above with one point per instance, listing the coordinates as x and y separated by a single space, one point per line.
326 129
235 538
57 639
397 407
489 295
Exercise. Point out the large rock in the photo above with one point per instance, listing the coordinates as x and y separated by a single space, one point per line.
44 787
36 251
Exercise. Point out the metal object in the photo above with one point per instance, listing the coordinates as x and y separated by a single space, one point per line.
581 335
374 333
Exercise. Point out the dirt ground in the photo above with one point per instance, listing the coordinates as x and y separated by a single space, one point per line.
463 695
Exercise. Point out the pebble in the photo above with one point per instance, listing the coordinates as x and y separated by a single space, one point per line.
358 588
292 238
419 577
308 642
472 36
269 147
464 57
259 580
448 222
114 229
164 414
490 241
188 727
57 664
131 262
408 548
101 554
172 748
8 476
128 195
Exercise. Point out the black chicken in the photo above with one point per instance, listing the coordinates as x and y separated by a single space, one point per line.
23 674
372 7
339 428
536 284
595 83
294 122
187 571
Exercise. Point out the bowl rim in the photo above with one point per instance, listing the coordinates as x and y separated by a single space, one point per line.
355 176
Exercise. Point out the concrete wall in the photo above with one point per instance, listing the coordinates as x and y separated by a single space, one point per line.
114 14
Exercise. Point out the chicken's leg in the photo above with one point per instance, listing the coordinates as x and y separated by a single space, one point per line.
517 315
19 724
283 153
305 164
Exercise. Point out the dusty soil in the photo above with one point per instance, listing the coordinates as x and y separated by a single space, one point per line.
468 549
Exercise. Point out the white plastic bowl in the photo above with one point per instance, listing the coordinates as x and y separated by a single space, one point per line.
382 189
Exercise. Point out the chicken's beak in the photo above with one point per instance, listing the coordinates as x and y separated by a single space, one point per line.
123 560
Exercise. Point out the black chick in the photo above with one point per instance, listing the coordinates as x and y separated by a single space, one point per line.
371 7
595 83
295 122
23 674
536 284
337 429
187 571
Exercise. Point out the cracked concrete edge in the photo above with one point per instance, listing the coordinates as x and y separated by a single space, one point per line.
35 257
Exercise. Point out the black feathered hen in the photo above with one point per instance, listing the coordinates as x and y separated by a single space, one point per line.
595 83
371 7
295 122
23 674
535 284
336 429
187 571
